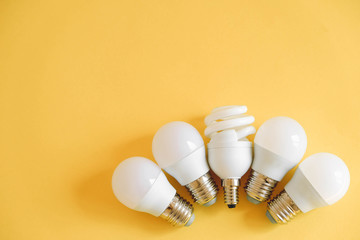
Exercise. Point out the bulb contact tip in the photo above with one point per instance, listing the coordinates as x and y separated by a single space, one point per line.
252 200
272 220
191 220
211 202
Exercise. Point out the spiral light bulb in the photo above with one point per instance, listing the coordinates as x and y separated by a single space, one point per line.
320 180
139 184
179 149
229 150
279 145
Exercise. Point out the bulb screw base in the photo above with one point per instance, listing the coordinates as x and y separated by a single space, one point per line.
231 191
203 190
259 187
282 209
179 212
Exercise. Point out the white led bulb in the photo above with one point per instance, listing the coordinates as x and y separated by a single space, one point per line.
279 145
139 184
320 180
229 150
179 149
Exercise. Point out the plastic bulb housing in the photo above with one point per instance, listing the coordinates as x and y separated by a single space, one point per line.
320 180
179 149
229 150
279 145
139 184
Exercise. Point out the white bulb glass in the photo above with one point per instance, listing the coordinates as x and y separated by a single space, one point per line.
139 184
279 145
320 180
230 152
179 149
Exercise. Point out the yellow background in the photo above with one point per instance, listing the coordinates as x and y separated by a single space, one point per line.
86 84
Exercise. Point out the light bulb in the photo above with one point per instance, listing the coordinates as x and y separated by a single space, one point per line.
320 180
139 184
229 150
179 149
279 145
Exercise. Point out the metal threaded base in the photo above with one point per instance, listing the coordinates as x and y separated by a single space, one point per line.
259 186
282 208
203 189
179 211
231 191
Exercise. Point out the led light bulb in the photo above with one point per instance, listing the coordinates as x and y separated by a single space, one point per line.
139 184
320 180
279 145
229 150
179 149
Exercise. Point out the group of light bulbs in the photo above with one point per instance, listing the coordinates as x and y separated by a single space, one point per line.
280 143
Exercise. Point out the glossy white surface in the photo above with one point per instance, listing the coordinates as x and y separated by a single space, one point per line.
270 164
174 141
279 144
229 150
320 180
179 149
283 136
189 168
139 184
229 117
